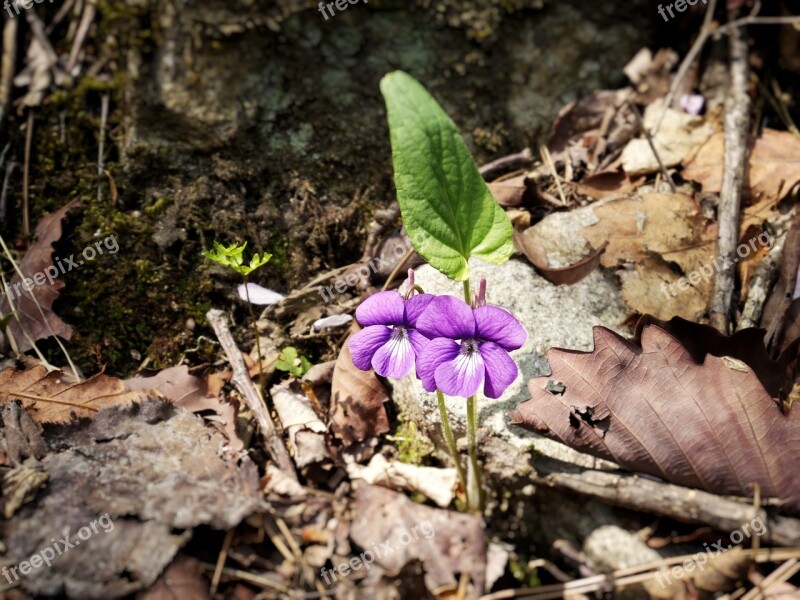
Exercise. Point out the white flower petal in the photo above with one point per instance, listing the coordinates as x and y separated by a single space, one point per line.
259 295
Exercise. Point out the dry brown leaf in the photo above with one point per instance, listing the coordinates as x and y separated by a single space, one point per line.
437 484
183 580
774 165
531 246
357 397
48 400
445 542
655 231
29 324
190 392
654 409
678 134
510 192
607 184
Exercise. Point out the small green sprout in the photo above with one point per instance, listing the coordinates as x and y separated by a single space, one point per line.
233 256
291 362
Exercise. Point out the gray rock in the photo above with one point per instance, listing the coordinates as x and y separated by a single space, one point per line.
553 316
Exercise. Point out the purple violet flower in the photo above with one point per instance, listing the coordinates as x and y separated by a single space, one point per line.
389 342
480 356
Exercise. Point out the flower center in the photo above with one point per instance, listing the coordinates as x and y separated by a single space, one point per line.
399 333
469 347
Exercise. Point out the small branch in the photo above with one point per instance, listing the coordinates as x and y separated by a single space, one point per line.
241 379
512 161
694 51
764 277
650 141
737 126
666 499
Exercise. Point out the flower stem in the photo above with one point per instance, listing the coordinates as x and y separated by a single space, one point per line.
475 489
451 441
261 381
467 299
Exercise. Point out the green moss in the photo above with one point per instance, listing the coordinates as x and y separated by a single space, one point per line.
525 575
412 447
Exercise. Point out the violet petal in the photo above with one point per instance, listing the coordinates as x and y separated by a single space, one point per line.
461 376
415 306
383 308
497 325
365 343
396 357
448 317
435 353
501 370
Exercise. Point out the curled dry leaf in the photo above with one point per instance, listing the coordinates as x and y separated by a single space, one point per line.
357 397
306 431
531 246
773 166
654 409
677 136
445 542
30 323
192 393
437 484
49 400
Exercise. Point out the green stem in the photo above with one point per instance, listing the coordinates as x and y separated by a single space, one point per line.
261 381
475 490
451 441
467 299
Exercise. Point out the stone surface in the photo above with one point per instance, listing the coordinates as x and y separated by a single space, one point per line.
553 316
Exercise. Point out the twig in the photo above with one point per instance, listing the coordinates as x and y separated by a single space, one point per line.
694 51
737 126
4 194
764 277
652 144
512 161
101 145
89 10
241 379
7 67
753 20
26 169
398 268
548 160
223 555
665 499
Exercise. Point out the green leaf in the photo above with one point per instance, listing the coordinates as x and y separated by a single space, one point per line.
233 256
447 208
288 360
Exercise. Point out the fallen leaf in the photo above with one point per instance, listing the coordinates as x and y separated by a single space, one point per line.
435 483
529 244
654 409
306 431
510 192
608 183
678 134
192 393
29 324
256 294
401 531
183 580
357 397
773 165
49 400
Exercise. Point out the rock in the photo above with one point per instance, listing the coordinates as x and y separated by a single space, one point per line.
553 316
